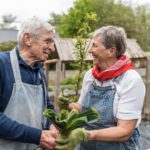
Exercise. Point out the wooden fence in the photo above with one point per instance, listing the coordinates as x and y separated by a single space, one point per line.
146 108
140 63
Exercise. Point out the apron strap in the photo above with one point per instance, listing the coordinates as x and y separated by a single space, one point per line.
44 88
15 66
44 119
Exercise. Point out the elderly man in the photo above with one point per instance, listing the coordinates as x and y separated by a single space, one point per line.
23 92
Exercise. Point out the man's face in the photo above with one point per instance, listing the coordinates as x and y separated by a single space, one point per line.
42 46
98 51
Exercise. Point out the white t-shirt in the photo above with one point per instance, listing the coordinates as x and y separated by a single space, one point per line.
129 97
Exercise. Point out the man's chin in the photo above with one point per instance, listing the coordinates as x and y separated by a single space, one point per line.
45 58
42 60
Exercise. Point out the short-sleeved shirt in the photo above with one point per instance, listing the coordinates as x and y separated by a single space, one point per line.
129 97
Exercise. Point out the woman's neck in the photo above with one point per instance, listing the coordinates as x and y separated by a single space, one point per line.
106 64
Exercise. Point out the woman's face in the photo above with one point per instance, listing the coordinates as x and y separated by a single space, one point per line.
99 52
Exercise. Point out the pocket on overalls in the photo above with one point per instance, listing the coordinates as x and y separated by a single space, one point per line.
133 141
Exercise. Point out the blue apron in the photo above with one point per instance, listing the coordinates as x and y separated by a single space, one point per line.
102 98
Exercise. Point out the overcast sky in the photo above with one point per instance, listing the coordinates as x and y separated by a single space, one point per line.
24 9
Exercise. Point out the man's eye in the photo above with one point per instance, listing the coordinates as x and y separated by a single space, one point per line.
49 41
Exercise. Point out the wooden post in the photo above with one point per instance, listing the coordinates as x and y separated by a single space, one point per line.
57 88
63 70
46 64
146 109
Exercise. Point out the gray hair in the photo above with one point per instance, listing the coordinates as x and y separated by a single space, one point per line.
33 27
112 36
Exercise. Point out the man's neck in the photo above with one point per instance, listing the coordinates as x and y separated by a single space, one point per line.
27 57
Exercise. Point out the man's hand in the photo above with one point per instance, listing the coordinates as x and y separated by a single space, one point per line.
48 139
53 128
73 139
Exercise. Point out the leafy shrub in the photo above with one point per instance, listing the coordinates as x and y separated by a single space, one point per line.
7 46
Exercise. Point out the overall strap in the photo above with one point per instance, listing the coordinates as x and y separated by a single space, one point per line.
119 78
44 120
15 66
93 81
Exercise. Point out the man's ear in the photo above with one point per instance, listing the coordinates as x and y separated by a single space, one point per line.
27 39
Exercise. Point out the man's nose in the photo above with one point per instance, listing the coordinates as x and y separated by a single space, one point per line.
52 47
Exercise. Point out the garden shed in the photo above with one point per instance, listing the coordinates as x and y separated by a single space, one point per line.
65 53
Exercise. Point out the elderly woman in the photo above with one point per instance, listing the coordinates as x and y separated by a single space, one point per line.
115 90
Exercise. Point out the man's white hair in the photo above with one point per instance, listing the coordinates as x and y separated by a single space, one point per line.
33 27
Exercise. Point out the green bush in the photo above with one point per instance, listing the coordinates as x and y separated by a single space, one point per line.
7 46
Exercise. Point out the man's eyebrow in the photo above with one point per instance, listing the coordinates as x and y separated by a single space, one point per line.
49 39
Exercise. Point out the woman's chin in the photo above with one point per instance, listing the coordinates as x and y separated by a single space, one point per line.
95 62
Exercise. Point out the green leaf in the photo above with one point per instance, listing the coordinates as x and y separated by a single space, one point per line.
66 121
50 114
78 122
91 114
72 115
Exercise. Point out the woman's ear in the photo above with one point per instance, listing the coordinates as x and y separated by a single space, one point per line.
27 39
112 51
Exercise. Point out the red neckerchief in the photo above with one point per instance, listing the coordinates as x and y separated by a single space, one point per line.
120 66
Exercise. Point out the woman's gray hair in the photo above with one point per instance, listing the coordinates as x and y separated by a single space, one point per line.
112 36
33 26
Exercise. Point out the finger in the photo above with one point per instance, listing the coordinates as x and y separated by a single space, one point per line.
54 133
62 141
52 126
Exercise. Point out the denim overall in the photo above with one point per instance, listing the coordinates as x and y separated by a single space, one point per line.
25 106
101 98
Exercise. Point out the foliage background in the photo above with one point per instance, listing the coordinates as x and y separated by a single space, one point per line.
7 46
135 20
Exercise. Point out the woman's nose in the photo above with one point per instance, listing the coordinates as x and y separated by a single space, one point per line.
90 49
